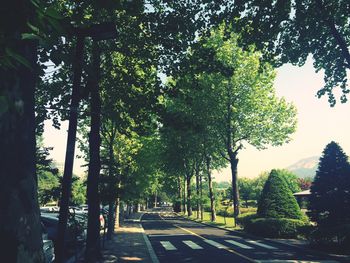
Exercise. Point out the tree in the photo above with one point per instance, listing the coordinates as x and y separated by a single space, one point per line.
288 31
329 200
246 189
277 200
239 94
304 183
291 180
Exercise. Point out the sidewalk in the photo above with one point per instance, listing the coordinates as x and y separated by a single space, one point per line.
129 243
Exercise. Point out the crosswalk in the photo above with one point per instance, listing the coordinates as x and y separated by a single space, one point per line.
224 244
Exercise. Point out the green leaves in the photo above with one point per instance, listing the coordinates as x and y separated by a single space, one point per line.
17 57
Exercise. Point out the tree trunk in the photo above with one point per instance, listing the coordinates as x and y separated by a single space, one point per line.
111 223
235 192
69 159
211 193
155 200
177 205
117 214
93 234
189 194
184 198
197 192
110 229
201 196
20 229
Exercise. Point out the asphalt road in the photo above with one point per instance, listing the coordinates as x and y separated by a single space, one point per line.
175 239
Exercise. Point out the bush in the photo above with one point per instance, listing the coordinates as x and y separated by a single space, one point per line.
275 227
327 235
245 219
277 200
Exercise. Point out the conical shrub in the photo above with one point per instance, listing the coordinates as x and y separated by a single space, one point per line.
277 200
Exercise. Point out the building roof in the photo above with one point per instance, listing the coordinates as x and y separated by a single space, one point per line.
306 192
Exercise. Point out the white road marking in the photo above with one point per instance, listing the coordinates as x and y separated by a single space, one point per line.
191 244
238 244
167 245
215 244
257 243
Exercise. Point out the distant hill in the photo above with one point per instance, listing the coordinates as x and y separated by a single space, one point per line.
305 167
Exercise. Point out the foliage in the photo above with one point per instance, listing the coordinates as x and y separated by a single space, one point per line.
330 199
339 234
291 180
277 200
245 219
288 31
48 188
304 183
275 227
228 211
235 91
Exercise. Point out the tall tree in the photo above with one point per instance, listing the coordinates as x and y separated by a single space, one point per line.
329 200
238 90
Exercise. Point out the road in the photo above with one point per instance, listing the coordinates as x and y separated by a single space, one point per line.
175 239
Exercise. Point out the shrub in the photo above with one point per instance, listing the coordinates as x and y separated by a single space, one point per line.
245 219
228 211
326 235
275 227
277 200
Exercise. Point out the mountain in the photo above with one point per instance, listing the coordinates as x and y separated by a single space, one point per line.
305 167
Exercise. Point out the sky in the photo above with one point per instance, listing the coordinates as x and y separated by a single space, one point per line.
318 124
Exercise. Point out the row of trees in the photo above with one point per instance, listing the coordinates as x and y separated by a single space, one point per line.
221 101
56 62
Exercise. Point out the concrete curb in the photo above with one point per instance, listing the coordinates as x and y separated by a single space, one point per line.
151 252
309 250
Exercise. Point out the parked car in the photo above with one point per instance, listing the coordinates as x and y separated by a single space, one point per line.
75 236
83 209
49 209
48 247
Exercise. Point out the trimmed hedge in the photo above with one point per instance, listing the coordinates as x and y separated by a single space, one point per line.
274 227
245 219
222 211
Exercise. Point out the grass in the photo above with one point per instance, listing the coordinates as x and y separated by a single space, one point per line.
220 220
